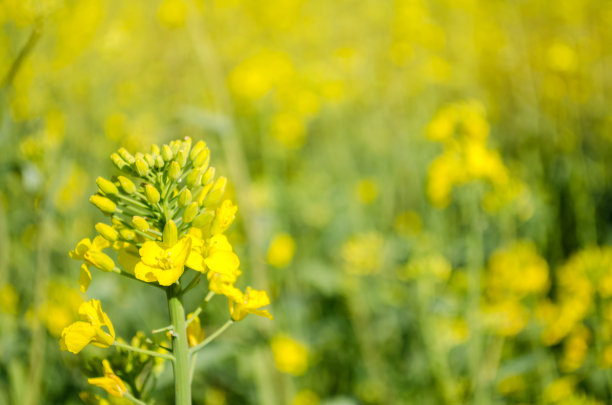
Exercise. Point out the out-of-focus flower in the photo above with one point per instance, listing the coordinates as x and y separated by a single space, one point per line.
281 250
363 253
290 356
195 332
306 397
366 191
248 303
9 299
60 307
110 382
78 335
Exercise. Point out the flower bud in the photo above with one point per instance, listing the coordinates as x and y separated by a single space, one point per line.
203 219
216 193
101 260
159 162
152 194
108 232
202 159
127 234
174 171
184 198
149 159
142 167
127 156
104 204
118 162
140 223
193 178
190 212
127 185
155 149
181 157
197 148
106 186
166 153
170 233
203 193
208 176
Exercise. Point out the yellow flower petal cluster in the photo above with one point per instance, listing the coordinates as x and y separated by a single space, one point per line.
91 254
162 263
248 303
89 330
290 356
110 382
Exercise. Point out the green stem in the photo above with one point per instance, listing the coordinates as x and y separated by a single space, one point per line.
134 399
132 277
143 351
180 347
212 337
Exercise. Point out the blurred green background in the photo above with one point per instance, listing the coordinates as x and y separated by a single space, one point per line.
423 188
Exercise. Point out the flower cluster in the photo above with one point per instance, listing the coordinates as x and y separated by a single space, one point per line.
167 216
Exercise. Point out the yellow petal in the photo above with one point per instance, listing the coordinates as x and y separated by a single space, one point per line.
76 336
168 277
110 383
149 252
84 278
144 272
222 262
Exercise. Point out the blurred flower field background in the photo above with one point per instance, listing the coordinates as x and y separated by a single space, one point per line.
423 187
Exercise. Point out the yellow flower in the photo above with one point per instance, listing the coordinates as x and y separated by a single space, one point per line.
290 356
79 334
222 263
281 250
110 382
248 303
223 218
195 333
91 253
162 263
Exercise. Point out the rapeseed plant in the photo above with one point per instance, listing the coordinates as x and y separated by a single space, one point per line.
167 219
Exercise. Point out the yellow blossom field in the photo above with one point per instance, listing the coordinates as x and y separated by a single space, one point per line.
305 202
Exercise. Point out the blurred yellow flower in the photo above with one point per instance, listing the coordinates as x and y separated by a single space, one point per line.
60 308
289 129
172 13
306 397
224 217
79 334
195 332
9 299
281 250
290 356
248 303
363 253
110 382
366 191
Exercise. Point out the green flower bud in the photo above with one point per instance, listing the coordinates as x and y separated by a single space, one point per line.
152 194
140 223
204 219
127 185
190 212
127 156
159 162
155 149
203 193
187 141
104 204
170 233
208 176
127 234
184 198
216 193
142 167
149 159
203 159
106 186
108 232
174 171
193 178
166 153
118 162
175 145
181 157
101 261
197 148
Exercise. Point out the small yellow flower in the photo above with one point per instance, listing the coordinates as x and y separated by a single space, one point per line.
222 263
248 303
110 382
89 330
290 356
91 253
224 217
161 263
195 333
281 250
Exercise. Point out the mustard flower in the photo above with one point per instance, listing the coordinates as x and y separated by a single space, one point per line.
89 330
91 254
162 263
248 303
110 382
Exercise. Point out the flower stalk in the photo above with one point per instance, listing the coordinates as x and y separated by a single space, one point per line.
180 347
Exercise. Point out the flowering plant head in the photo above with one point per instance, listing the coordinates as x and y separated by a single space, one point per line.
167 217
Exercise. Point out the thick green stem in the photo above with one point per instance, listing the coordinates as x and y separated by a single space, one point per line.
180 347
